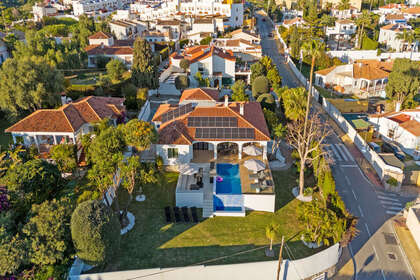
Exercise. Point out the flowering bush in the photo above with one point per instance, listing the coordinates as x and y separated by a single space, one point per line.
4 200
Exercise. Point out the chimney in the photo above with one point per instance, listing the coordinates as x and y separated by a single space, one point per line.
241 108
226 100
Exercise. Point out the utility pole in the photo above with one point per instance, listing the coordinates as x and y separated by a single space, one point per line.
280 258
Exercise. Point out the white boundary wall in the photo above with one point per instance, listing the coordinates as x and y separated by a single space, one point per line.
413 223
144 114
290 270
260 202
352 55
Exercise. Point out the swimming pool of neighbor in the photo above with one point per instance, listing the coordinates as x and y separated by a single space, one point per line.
229 181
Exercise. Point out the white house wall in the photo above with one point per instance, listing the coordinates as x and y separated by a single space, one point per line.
189 199
413 224
260 202
185 154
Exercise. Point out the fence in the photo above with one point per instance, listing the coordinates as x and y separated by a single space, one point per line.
290 270
145 111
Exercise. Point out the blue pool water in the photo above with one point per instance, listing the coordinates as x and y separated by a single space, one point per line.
231 183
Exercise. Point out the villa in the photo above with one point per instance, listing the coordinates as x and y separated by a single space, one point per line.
208 142
388 35
66 125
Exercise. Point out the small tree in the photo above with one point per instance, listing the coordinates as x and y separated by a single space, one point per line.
144 70
260 86
182 82
95 231
139 134
115 69
142 94
267 100
184 64
257 69
205 41
238 89
270 232
65 157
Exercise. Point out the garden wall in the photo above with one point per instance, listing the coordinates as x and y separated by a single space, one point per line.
350 55
144 114
290 270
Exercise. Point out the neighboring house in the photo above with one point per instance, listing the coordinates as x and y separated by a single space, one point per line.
66 125
126 29
412 13
388 36
102 44
245 35
365 78
335 3
174 27
298 22
350 13
401 127
4 53
392 8
204 25
243 49
413 222
392 19
213 63
343 29
195 38
180 136
231 10
157 37
81 7
41 10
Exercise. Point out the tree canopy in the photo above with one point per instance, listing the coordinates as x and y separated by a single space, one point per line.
115 69
65 157
238 89
139 134
144 71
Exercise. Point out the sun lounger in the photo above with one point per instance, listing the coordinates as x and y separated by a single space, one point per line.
168 214
194 214
194 187
185 214
177 215
253 176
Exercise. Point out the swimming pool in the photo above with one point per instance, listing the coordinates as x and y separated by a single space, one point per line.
231 183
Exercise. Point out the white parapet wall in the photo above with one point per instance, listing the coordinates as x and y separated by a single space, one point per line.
290 270
189 199
353 55
413 223
260 202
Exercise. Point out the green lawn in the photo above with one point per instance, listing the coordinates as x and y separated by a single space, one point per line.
154 243
5 138
89 78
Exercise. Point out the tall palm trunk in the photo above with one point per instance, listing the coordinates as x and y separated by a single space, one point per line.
305 131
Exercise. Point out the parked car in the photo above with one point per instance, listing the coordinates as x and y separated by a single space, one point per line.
393 148
375 147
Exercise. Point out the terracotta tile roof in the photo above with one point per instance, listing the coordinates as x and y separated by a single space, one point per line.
401 118
393 6
412 126
100 35
203 21
204 52
108 50
325 71
412 11
178 132
168 22
383 65
396 27
70 117
239 31
200 94
368 72
394 16
345 21
293 21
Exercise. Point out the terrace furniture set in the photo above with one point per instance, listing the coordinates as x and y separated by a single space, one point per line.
179 215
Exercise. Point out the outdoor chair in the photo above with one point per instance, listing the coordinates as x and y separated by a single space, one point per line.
185 214
253 176
168 214
211 179
177 215
194 187
194 214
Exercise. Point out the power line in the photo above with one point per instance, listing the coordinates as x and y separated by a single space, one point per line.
289 253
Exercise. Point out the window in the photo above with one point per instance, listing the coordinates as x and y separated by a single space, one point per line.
391 133
172 152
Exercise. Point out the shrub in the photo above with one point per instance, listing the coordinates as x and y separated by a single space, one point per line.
88 195
95 231
129 91
266 100
392 182
101 61
182 82
64 156
183 42
184 64
159 163
260 86
205 41
141 97
115 69
308 191
369 44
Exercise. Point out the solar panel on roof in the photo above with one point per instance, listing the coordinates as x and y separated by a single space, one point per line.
182 110
212 122
224 133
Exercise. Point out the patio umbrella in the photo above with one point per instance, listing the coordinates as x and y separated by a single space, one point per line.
188 168
252 150
254 165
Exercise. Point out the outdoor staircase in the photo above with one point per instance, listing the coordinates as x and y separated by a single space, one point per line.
208 209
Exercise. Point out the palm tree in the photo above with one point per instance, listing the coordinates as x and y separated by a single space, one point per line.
362 21
278 132
407 36
344 5
270 232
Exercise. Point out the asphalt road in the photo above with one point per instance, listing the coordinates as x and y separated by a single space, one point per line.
376 253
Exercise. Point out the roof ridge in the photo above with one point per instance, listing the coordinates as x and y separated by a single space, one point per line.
67 119
242 117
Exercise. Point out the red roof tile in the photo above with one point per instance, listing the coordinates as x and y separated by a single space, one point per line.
112 50
200 94
100 35
401 118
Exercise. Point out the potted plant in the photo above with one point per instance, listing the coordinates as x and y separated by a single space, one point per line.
392 184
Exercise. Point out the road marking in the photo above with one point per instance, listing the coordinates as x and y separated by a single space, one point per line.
341 152
376 253
390 202
336 153
355 197
349 165
347 180
384 193
366 226
383 274
354 262
361 212
388 198
392 212
346 151
394 208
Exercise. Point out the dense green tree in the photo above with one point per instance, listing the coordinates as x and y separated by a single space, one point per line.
139 134
48 232
260 86
182 82
267 100
238 91
205 41
28 84
144 71
95 231
184 64
403 82
13 252
115 69
110 141
257 69
141 97
294 103
65 157
274 77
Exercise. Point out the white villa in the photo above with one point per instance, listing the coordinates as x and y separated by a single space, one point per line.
213 63
298 22
350 13
66 125
202 131
41 10
401 127
342 29
388 36
231 10
241 48
127 29
245 35
364 78
81 7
